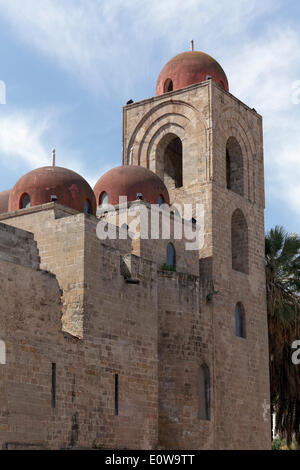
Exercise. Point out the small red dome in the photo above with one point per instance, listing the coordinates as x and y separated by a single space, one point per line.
4 197
130 180
38 186
189 68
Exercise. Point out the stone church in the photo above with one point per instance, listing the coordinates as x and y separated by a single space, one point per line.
136 342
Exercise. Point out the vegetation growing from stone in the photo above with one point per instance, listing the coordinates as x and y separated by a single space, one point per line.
283 300
166 267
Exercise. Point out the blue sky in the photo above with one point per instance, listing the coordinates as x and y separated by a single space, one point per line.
69 67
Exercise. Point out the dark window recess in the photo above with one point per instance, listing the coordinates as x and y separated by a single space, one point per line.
116 394
53 386
240 322
168 86
204 392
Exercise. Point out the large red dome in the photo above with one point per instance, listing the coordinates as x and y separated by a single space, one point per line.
189 68
40 185
4 197
129 180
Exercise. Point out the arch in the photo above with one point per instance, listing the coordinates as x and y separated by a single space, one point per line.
87 207
157 112
240 320
103 199
168 85
232 123
169 160
171 256
234 166
2 352
239 242
24 201
204 392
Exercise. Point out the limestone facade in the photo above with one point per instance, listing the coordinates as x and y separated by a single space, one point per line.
104 347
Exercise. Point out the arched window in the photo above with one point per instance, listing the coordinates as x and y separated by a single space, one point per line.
160 200
234 167
240 320
25 201
168 85
204 392
87 207
2 353
103 200
171 256
170 161
239 242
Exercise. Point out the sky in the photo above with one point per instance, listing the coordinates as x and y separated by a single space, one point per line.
69 66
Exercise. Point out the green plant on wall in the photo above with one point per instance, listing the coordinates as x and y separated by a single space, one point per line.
166 267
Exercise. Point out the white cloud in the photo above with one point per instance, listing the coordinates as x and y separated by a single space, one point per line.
24 142
108 42
21 139
263 71
109 45
263 75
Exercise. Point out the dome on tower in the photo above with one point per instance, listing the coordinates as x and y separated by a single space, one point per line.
4 197
130 181
52 183
189 68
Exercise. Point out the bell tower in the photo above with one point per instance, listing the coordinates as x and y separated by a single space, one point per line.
207 147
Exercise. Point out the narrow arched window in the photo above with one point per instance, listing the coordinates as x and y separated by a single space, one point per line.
25 201
87 207
234 167
168 85
103 200
171 256
240 321
204 392
160 200
239 242
169 154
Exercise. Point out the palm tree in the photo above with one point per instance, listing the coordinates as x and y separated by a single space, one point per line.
283 300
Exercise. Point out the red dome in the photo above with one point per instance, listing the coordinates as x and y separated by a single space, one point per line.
4 197
70 189
129 180
189 68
